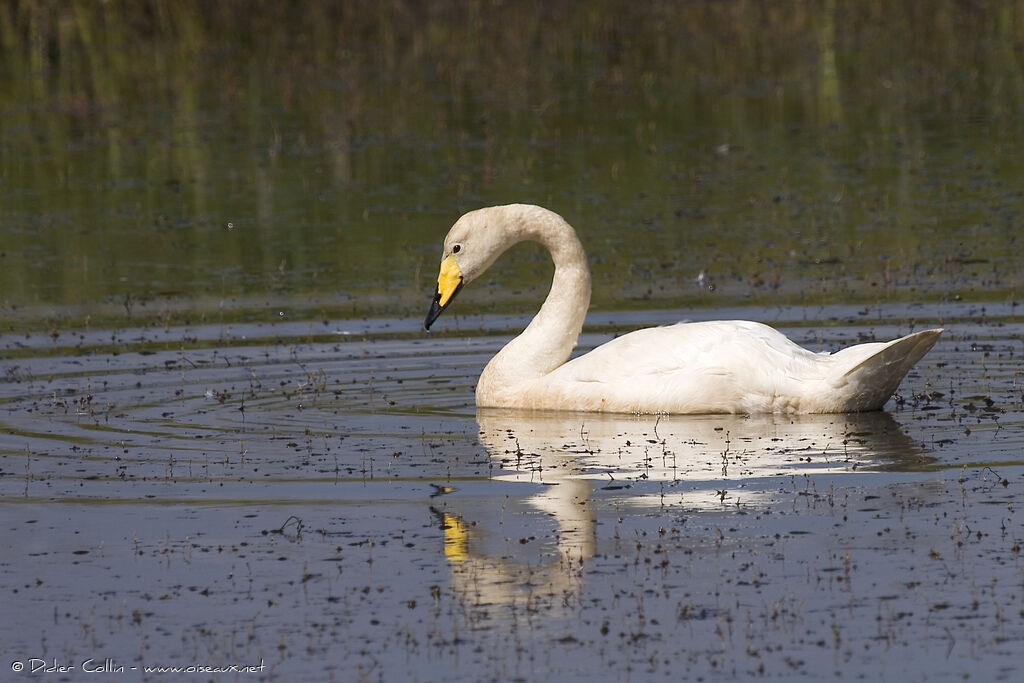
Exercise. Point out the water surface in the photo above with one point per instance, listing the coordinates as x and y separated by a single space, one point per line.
333 497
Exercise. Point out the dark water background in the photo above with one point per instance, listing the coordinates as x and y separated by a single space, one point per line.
169 160
225 440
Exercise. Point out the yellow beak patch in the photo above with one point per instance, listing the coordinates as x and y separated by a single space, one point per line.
456 546
449 279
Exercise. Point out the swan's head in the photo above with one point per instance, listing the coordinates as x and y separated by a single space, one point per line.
472 245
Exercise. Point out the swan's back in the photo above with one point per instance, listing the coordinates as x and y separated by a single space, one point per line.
722 367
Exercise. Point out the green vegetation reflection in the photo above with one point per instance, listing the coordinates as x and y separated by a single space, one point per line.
180 160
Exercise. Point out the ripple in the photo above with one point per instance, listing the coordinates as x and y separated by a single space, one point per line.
377 404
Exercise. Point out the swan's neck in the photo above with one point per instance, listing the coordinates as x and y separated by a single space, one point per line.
550 337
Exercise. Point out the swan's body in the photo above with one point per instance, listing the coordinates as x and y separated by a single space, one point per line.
709 367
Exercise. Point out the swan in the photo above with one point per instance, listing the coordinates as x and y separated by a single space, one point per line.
733 366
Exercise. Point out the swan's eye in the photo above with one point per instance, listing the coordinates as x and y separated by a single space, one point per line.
456 249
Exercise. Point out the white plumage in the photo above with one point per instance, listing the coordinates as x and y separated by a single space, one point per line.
708 367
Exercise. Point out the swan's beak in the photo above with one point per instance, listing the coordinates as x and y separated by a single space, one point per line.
449 282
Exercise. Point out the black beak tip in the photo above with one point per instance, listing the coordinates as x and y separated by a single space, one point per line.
436 308
433 313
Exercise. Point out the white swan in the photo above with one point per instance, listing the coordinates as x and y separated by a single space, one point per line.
706 367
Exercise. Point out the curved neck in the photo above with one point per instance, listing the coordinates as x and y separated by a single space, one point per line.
550 337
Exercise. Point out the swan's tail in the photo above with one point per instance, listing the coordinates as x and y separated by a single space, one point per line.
866 375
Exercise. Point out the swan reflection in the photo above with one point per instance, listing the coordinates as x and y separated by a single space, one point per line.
544 445
534 547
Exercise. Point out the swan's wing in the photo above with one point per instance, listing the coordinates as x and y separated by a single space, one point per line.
722 365
703 349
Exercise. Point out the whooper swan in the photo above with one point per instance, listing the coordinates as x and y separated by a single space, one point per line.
731 366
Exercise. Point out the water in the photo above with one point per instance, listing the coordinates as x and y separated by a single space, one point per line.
218 164
226 440
318 496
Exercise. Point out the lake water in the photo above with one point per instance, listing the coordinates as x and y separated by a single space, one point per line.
225 439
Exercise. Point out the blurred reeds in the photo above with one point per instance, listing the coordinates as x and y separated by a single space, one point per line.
134 132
